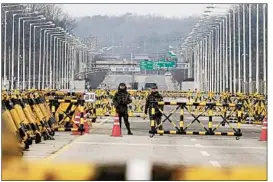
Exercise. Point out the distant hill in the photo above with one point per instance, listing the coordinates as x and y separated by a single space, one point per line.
148 34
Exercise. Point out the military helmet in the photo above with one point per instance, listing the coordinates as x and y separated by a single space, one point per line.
122 86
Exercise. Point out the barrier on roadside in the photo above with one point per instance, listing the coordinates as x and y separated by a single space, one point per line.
182 129
28 117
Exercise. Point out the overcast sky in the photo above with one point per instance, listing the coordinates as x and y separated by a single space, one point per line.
167 10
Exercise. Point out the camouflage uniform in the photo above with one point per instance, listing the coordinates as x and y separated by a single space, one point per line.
154 96
120 100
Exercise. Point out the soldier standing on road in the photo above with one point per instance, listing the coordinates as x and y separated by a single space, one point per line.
121 100
154 96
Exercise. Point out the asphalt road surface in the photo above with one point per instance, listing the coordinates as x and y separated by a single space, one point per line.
163 82
100 147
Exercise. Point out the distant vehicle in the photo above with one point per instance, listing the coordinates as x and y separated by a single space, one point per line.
149 85
134 85
168 74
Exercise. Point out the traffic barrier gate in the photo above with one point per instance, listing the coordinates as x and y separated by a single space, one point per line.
183 130
67 113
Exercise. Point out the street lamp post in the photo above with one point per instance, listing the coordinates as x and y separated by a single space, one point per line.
264 51
250 52
257 51
234 52
24 52
34 47
239 50
29 55
230 66
244 48
5 40
19 46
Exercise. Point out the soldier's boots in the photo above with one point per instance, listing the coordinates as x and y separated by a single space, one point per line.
128 128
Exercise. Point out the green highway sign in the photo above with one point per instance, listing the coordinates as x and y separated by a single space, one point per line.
147 65
154 65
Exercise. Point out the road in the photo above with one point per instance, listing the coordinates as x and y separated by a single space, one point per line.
163 82
100 147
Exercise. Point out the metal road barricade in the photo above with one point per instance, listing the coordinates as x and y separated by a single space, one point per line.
182 129
66 112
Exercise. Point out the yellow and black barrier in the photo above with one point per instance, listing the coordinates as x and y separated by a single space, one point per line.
182 130
254 105
65 112
28 118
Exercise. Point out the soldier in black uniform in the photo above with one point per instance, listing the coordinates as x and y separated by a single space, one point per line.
154 96
121 100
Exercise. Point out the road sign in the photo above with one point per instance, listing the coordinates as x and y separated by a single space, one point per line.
165 64
154 65
125 69
147 65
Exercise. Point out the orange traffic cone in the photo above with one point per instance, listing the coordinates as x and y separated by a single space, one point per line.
116 131
263 136
86 125
75 127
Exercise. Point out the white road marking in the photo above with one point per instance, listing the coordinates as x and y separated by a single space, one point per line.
193 139
166 145
198 145
103 121
215 164
204 153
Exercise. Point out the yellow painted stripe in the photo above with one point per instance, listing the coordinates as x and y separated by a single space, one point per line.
217 133
160 131
189 103
202 133
189 132
181 124
161 103
230 133
173 132
152 123
173 103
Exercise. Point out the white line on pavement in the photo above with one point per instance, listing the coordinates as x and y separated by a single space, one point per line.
167 145
103 121
204 153
215 164
193 139
198 145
